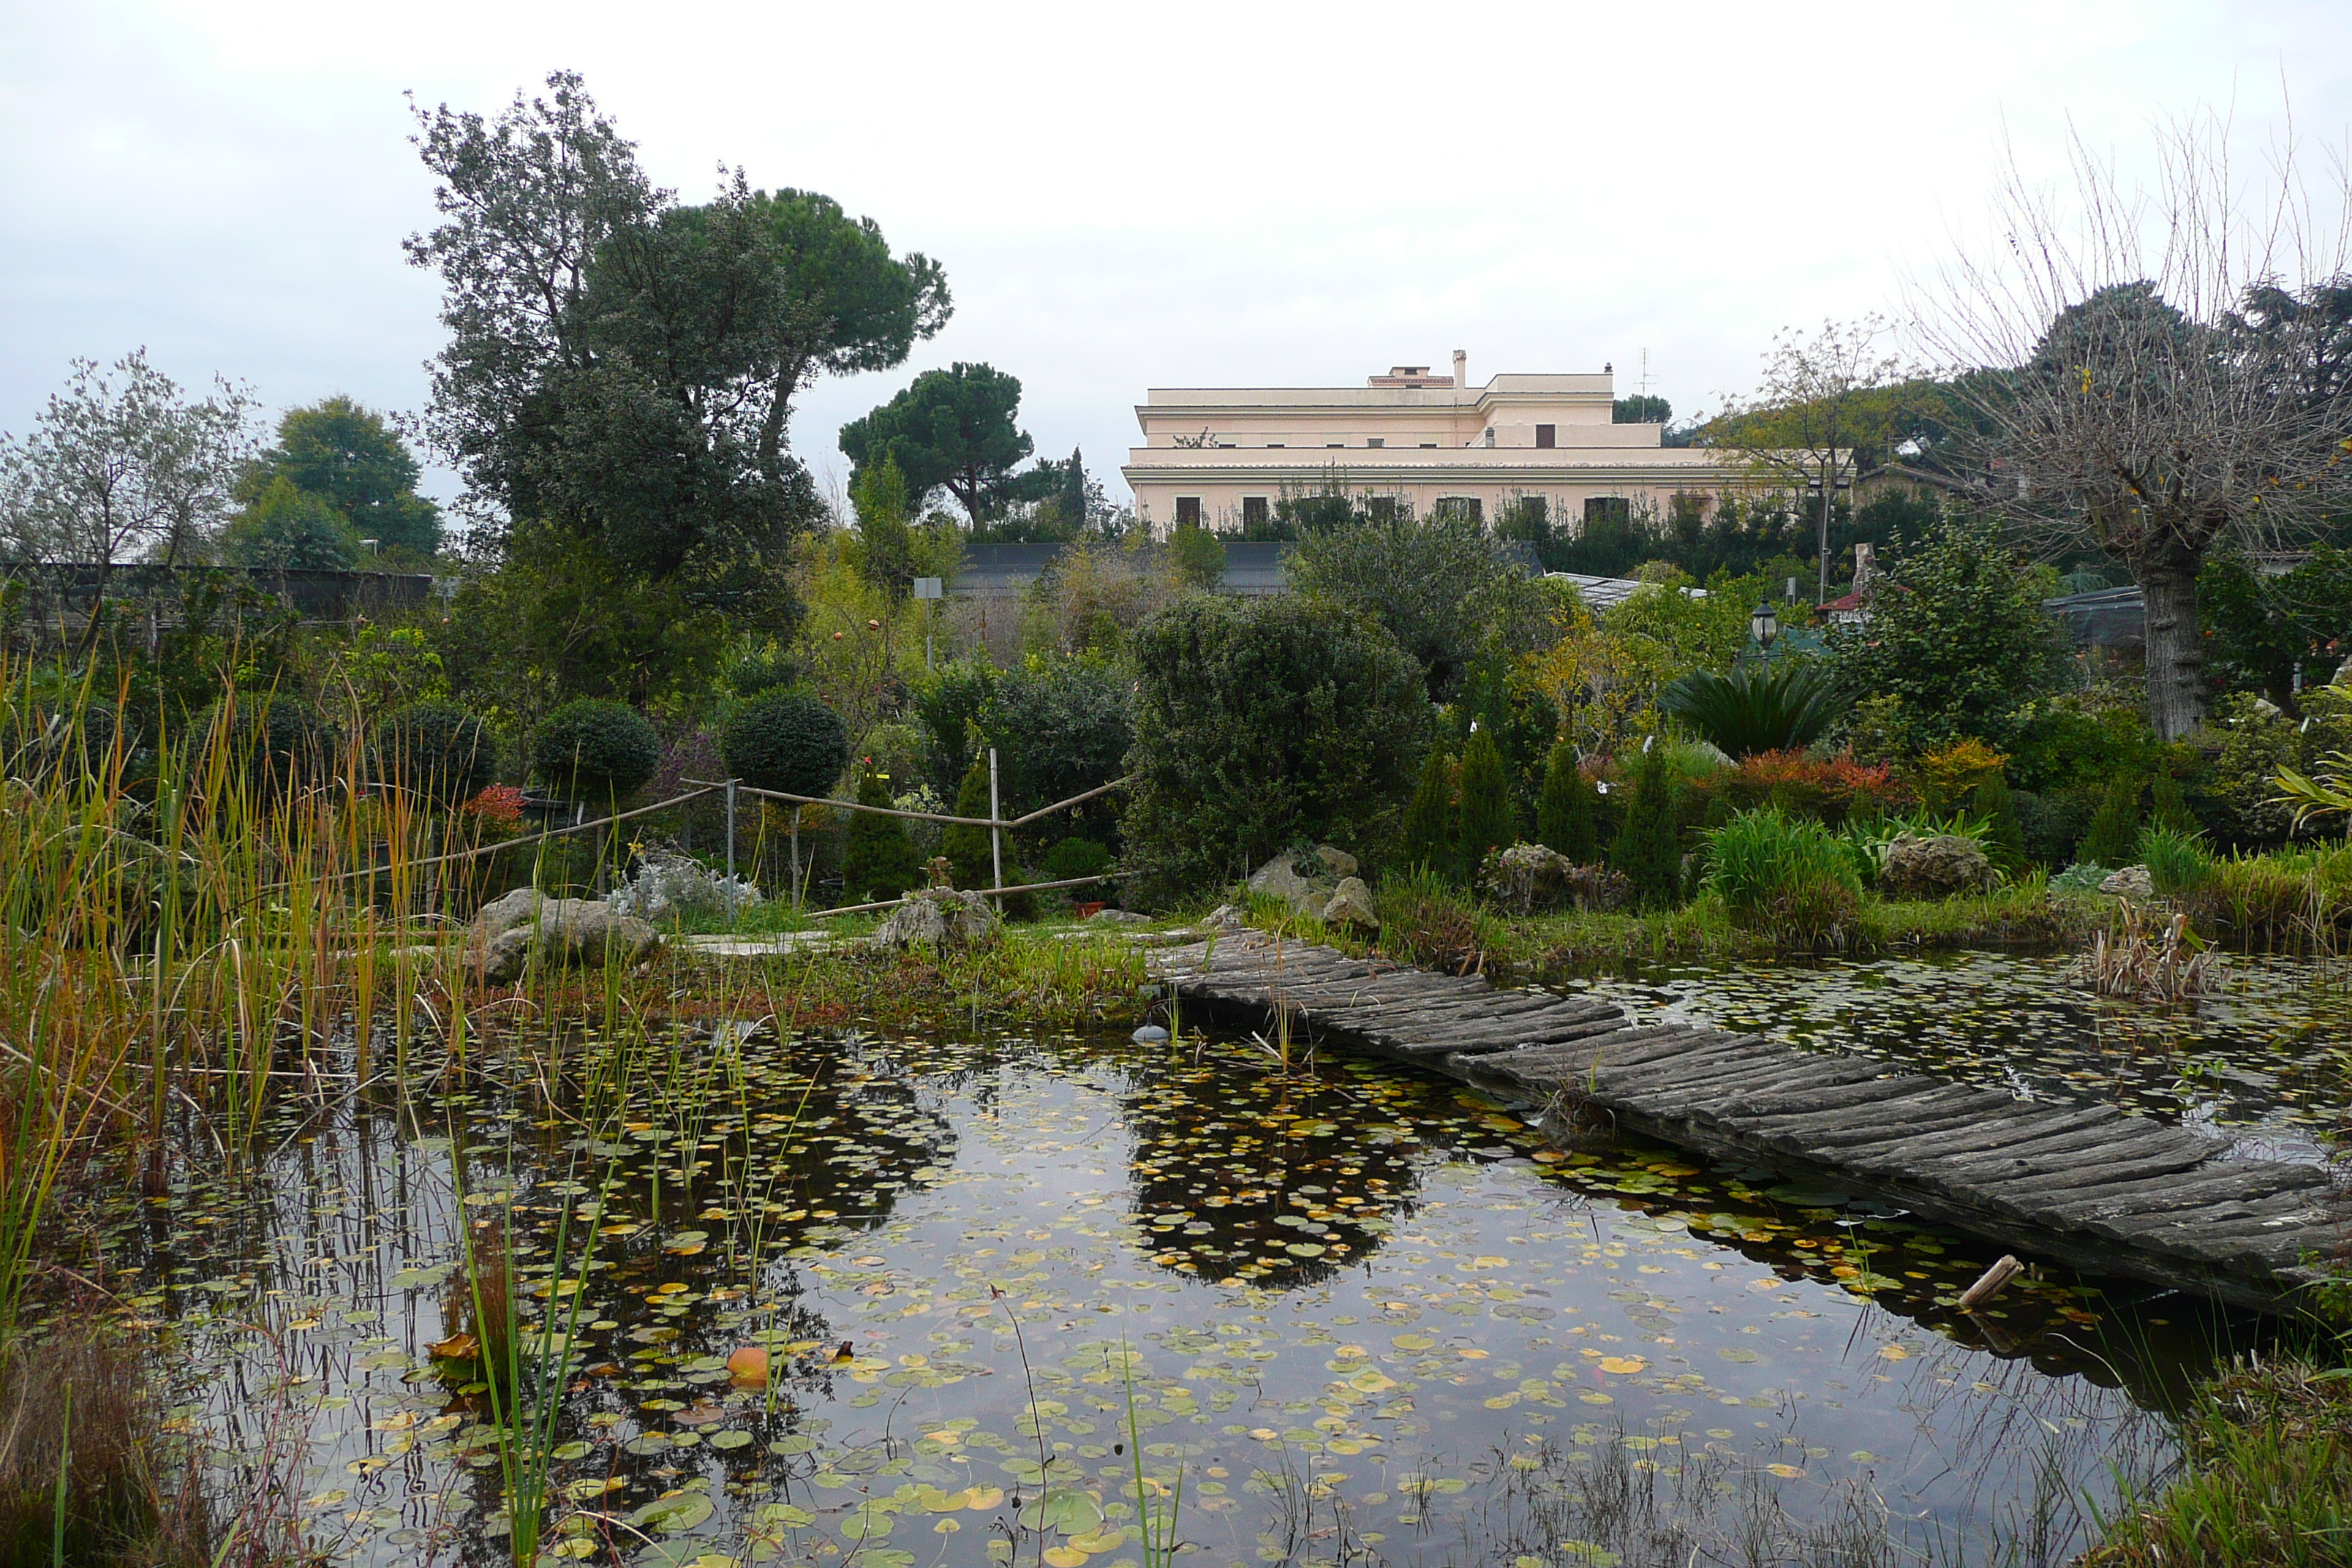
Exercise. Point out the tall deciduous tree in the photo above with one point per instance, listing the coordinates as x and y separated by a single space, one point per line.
352 458
121 464
954 427
2174 374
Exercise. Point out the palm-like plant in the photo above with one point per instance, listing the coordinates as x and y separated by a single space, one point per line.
1770 707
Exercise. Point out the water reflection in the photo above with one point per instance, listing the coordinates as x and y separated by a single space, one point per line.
985 1273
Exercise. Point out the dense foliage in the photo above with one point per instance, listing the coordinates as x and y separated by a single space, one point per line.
436 750
787 741
1260 723
594 749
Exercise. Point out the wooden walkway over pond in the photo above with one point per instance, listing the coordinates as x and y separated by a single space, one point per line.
2084 1184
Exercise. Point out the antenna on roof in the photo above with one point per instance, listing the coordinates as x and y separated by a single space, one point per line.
1645 373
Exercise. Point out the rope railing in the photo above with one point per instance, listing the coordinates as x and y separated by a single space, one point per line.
1042 812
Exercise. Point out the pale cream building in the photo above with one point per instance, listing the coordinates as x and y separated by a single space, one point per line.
1225 457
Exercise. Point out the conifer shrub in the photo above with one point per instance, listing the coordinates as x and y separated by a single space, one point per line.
969 862
2114 833
2168 806
1428 830
2004 838
1648 850
1565 815
1483 822
879 861
593 750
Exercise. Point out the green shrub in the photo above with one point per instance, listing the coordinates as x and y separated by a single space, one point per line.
1783 706
970 862
592 749
1428 830
1485 822
2177 862
1259 722
436 750
2168 806
1076 858
1060 728
879 861
277 742
787 741
2004 836
2114 826
2083 876
1787 875
1648 850
1565 817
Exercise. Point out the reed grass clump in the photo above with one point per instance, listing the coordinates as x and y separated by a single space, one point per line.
1790 875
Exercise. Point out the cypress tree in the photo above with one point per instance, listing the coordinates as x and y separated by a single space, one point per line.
2113 837
879 861
1428 819
2167 807
2004 836
1647 849
966 848
1564 816
1485 822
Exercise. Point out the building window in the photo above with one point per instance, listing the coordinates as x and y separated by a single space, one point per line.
1275 446
1614 510
1547 435
1490 436
1460 508
1335 443
1188 512
1428 446
1253 511
1375 441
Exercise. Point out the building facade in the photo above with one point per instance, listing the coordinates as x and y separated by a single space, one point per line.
1226 458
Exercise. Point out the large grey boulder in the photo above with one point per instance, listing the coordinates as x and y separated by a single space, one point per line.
943 919
2132 883
1942 867
526 928
1306 882
1351 905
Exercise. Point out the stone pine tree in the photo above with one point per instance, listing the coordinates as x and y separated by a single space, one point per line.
1566 814
1485 819
1429 816
879 861
966 848
1647 849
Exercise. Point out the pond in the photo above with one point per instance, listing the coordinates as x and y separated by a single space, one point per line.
1069 1298
2261 1062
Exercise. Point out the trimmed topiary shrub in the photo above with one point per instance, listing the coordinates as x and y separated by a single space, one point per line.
1565 815
1076 858
436 750
276 742
787 741
879 861
1485 822
593 750
1647 849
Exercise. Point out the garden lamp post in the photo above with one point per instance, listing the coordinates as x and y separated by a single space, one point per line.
1764 624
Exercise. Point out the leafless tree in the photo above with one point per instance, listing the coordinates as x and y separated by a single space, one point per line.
2161 368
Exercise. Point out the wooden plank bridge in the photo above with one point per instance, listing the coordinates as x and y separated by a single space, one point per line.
2084 1184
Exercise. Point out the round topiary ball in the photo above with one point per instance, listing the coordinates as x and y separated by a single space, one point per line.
787 741
436 750
277 742
594 749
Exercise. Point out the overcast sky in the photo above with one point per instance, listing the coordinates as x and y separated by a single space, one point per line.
1123 197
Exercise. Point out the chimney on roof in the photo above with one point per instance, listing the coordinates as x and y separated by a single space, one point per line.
1461 368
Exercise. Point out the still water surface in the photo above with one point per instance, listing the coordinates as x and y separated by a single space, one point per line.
1357 1313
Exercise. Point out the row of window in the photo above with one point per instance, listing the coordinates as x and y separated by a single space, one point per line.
1256 510
1547 438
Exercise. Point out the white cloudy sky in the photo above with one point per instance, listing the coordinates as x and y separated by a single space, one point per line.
1123 197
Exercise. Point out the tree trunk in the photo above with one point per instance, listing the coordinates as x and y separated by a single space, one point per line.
2177 697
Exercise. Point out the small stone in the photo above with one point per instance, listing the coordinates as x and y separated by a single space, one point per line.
1225 917
1117 917
1943 865
2132 882
1278 878
1337 863
1150 1035
941 919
